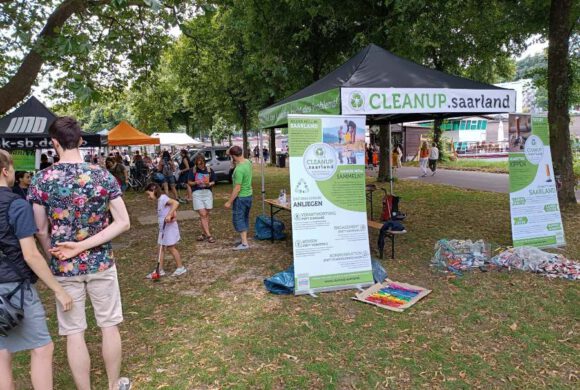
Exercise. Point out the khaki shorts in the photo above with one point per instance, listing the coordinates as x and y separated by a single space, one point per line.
103 289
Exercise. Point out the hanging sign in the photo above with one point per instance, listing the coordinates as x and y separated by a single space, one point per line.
371 101
535 212
329 220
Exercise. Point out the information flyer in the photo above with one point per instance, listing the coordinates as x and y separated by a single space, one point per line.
329 219
535 212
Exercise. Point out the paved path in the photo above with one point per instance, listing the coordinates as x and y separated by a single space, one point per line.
483 181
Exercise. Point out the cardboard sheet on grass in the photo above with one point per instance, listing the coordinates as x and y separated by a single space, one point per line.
416 293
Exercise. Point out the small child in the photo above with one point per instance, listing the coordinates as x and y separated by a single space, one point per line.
168 236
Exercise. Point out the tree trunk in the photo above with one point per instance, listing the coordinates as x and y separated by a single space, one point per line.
187 125
245 139
384 163
245 128
272 149
558 98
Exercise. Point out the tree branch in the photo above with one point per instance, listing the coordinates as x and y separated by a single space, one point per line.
19 86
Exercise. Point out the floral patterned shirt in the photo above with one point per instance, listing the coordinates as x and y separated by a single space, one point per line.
76 197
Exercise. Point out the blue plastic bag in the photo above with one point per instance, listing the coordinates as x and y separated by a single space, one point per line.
379 273
263 228
281 283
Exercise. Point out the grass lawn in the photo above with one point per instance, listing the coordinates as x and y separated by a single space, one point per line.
217 327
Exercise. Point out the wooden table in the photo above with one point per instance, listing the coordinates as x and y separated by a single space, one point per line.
275 208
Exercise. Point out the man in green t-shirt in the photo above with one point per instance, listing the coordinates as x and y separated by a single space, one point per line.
241 196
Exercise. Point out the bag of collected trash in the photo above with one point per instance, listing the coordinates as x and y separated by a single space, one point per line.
460 255
263 228
281 283
535 260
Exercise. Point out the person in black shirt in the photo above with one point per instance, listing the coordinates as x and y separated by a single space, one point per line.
44 163
21 184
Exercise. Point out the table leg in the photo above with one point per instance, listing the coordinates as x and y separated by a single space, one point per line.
272 223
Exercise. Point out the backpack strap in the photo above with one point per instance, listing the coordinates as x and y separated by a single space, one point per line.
5 258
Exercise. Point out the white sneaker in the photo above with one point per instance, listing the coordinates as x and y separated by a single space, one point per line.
179 271
150 276
124 384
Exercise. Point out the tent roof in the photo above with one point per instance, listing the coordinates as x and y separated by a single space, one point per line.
175 139
124 134
375 67
27 128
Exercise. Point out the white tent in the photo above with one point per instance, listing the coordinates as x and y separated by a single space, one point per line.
175 139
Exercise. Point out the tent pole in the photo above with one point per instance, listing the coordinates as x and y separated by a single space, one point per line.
390 157
261 159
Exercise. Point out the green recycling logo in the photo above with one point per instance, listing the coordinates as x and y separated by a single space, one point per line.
357 100
302 187
319 152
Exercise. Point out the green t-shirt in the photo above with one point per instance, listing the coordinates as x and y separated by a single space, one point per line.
243 177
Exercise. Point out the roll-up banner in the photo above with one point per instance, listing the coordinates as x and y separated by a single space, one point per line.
535 212
329 220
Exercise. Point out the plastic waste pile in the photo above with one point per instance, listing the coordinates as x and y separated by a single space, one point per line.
536 260
460 255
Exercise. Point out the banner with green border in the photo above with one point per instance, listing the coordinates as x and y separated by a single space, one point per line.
534 209
329 219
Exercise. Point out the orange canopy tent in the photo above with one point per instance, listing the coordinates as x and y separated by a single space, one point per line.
124 134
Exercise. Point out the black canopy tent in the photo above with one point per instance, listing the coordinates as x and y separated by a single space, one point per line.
390 89
26 128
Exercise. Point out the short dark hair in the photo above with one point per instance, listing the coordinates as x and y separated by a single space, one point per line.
18 176
67 131
5 159
235 151
155 188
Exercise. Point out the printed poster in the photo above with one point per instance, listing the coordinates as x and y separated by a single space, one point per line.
535 212
24 160
329 219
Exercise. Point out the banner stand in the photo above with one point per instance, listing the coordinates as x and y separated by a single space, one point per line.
534 208
329 220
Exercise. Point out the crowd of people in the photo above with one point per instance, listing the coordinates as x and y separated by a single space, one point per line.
428 157
73 209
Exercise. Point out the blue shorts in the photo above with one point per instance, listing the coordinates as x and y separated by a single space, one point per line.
241 213
170 180
32 332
